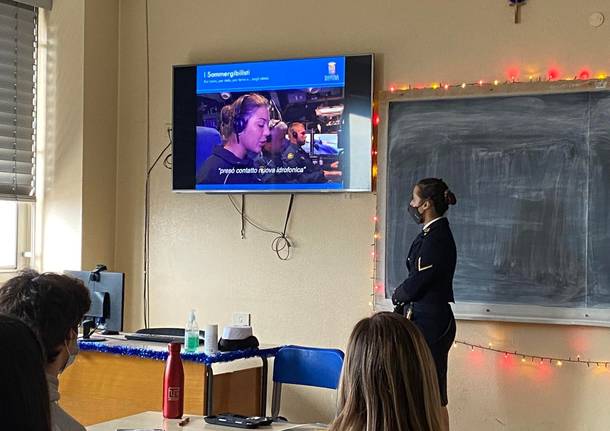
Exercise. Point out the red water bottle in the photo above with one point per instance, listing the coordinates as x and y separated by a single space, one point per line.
173 384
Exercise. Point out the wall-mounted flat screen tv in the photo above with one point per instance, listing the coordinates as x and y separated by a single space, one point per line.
297 125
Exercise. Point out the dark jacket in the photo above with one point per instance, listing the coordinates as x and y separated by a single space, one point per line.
270 161
221 158
431 265
294 157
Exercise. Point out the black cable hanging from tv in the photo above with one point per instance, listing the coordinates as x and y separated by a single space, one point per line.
281 244
147 231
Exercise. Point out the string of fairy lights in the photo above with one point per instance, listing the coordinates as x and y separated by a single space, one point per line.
532 358
552 75
513 77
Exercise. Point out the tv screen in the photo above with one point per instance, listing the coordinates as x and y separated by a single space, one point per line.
298 125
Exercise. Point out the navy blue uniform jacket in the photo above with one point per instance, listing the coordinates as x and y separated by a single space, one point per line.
431 265
295 157
222 158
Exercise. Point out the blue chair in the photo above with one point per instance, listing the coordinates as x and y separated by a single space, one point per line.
307 366
207 138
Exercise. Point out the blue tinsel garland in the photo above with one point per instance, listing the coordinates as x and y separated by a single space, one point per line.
161 355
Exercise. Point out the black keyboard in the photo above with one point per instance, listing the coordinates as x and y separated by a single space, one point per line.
156 338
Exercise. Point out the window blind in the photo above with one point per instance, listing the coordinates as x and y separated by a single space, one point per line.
17 100
45 4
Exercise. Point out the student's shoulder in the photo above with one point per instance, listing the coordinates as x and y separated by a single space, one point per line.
62 421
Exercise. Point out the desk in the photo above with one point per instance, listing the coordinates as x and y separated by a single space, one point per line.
118 378
152 420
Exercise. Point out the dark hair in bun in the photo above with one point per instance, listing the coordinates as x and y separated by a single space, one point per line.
438 192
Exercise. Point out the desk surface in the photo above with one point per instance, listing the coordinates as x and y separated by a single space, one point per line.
154 420
158 351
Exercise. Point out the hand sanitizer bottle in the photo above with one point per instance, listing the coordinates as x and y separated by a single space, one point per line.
191 333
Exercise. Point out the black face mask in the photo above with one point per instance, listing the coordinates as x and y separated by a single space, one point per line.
413 212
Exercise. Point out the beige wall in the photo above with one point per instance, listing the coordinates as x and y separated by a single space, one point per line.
77 135
131 155
100 131
197 257
61 150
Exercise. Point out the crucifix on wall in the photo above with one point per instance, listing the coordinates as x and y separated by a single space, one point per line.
517 5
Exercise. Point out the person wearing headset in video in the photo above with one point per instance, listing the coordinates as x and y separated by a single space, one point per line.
244 127
425 295
270 158
295 157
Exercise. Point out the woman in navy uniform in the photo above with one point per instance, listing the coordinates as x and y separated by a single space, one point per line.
425 295
244 127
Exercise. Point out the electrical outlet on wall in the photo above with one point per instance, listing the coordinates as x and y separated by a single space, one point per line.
241 318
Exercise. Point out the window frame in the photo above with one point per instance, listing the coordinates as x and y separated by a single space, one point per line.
26 208
25 234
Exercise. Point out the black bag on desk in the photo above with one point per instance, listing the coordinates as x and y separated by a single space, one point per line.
238 421
230 345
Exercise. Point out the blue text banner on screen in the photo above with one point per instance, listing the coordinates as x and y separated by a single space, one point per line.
269 187
322 72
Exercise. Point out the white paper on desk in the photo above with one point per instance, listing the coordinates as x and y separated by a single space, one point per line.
139 429
309 427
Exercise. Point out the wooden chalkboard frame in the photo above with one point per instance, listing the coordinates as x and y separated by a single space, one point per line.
471 310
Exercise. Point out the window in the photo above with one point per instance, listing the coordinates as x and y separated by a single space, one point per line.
18 29
8 233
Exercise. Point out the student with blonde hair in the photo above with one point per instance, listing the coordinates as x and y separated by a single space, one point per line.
389 381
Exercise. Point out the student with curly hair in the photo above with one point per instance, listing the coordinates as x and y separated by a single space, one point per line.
53 305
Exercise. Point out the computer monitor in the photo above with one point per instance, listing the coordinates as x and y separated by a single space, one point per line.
106 290
325 144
